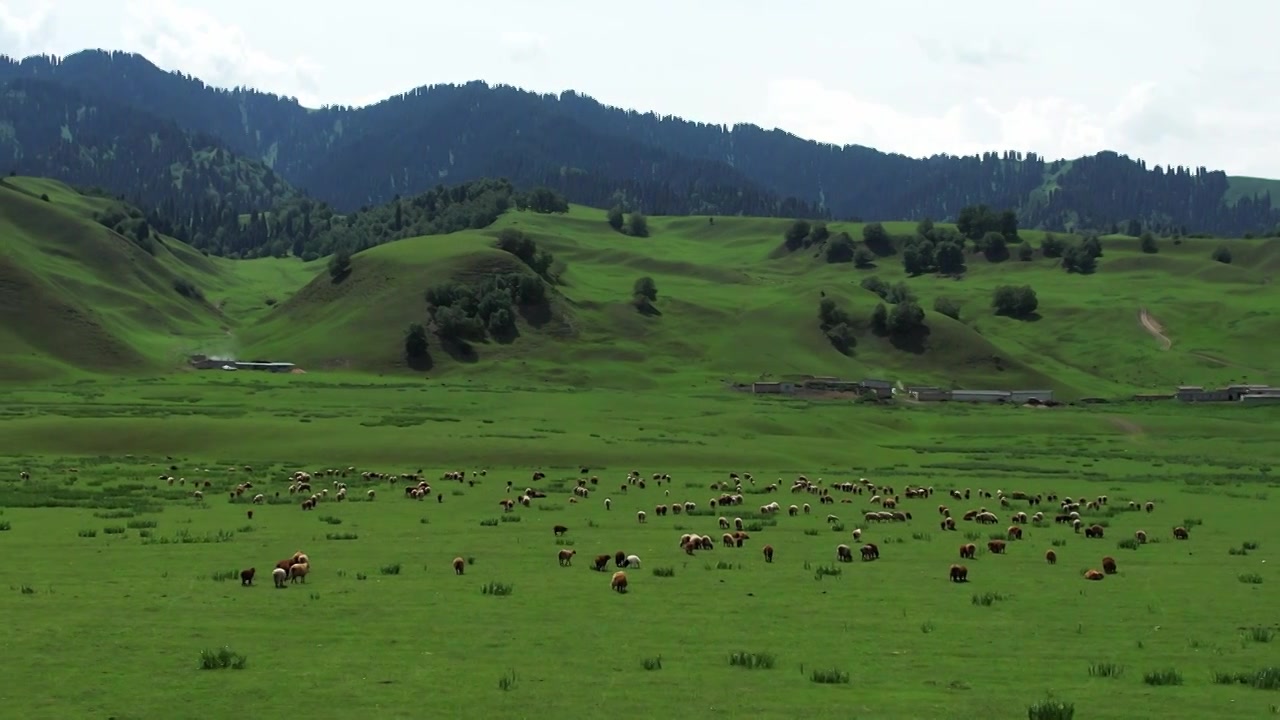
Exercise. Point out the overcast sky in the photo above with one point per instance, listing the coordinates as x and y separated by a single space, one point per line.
1171 81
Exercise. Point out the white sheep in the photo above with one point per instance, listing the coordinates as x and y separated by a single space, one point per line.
371 494
608 503
633 561
640 516
279 575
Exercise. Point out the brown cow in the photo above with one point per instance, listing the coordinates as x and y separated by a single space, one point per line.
959 573
967 551
602 562
996 547
619 582
1109 565
1051 557
1180 533
246 576
458 565
768 553
1093 575
566 557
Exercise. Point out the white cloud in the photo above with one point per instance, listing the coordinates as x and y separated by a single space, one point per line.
21 35
193 41
522 45
1147 122
986 54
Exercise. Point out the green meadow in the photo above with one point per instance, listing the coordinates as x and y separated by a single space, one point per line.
122 591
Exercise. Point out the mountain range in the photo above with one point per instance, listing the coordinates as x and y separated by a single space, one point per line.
176 146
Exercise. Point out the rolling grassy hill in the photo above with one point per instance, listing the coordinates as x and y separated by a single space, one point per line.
730 307
79 297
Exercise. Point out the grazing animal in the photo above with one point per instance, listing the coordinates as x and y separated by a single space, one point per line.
566 557
1150 506
959 573
1141 537
560 530
968 551
279 575
1051 557
246 576
620 559
633 561
996 546
619 582
870 552
768 553
601 562
640 516
1015 532
608 504
249 514
1093 575
1109 565
844 553
1180 533
458 565
299 570
1093 531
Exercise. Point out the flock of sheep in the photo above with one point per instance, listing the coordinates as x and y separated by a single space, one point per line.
728 494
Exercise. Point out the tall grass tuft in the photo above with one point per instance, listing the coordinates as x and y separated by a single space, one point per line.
1105 670
664 572
496 588
752 661
392 569
1051 710
653 663
831 676
1163 677
507 682
222 659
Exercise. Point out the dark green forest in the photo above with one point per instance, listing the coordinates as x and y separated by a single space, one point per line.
200 160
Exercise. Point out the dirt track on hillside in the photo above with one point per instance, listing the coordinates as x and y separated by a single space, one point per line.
1153 327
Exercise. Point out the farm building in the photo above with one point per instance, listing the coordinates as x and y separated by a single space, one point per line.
981 395
831 383
1025 396
1150 397
1196 393
927 393
775 388
267 366
1257 398
204 362
880 388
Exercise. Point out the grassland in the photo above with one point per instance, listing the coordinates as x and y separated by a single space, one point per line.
730 306
121 580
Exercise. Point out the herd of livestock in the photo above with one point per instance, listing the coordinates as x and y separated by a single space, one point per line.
729 494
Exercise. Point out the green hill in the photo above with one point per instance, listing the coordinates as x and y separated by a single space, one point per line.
78 296
731 306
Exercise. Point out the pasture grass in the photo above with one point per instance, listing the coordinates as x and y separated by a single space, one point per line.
164 590
81 301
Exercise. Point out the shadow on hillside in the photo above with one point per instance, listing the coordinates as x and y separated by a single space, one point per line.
1030 317
340 277
913 342
647 309
505 336
460 350
420 364
536 315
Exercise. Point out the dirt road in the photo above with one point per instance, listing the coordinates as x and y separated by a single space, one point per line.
1153 327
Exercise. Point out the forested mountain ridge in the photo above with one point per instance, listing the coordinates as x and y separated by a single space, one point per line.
599 155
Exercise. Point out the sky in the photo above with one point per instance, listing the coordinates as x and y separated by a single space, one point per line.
1180 82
